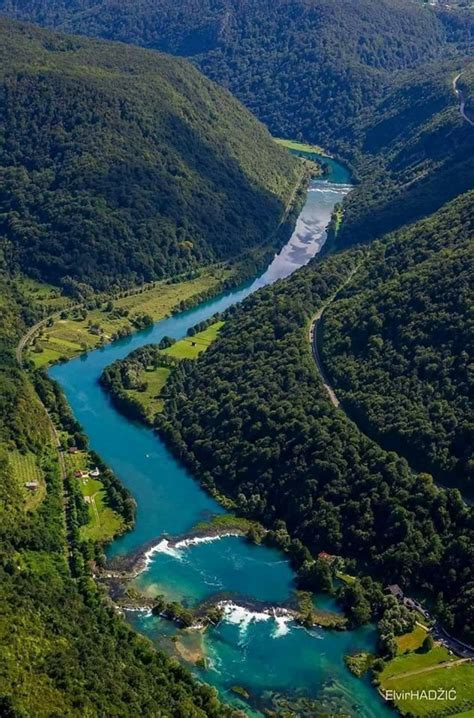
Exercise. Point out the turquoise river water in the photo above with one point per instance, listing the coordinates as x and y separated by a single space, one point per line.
267 654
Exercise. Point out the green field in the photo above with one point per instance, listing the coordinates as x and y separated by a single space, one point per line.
69 337
436 669
301 147
42 293
104 523
25 468
155 380
191 347
411 641
345 578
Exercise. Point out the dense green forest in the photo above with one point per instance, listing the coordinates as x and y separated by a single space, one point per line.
412 153
251 417
305 68
382 99
64 650
118 164
397 343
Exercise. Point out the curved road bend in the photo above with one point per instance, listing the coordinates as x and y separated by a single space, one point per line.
462 100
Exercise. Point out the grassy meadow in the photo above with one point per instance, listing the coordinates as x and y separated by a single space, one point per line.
301 146
411 641
155 378
25 468
104 523
435 669
70 336
46 295
150 398
191 347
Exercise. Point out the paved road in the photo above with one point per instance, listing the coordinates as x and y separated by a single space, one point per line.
462 100
314 348
313 340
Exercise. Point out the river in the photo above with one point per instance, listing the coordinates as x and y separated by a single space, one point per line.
272 658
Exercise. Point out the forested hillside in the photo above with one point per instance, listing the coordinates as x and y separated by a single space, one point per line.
398 343
64 650
413 153
304 67
122 165
382 99
252 418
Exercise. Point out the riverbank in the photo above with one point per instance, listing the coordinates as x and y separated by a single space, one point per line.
303 147
79 326
160 485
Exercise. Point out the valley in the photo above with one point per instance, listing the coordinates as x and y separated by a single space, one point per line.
236 420
226 566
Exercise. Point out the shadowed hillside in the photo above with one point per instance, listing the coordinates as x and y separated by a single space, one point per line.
305 67
119 164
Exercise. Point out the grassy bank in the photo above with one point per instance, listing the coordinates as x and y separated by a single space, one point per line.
103 523
407 679
82 329
301 147
192 346
137 383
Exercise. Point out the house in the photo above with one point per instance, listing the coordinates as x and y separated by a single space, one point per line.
326 556
32 485
73 450
78 474
395 591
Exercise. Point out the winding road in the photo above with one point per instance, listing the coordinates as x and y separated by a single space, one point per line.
462 100
27 338
313 338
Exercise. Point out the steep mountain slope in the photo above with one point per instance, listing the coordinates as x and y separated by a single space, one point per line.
398 342
412 152
118 164
303 66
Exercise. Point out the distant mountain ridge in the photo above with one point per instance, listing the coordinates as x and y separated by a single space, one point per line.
304 67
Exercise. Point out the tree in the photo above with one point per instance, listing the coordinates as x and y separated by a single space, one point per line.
428 643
